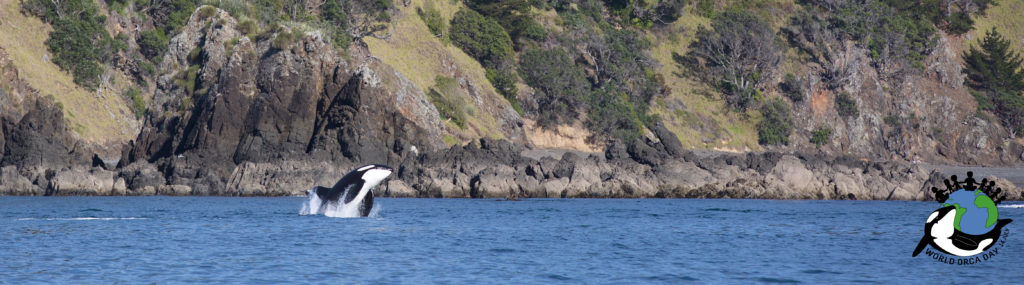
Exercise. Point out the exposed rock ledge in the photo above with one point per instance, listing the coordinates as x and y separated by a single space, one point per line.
497 169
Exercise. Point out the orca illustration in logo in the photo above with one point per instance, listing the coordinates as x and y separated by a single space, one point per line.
941 234
352 196
968 222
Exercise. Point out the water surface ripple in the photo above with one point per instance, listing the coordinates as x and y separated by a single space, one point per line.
265 241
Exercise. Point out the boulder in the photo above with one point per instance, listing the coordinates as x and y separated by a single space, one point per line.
12 183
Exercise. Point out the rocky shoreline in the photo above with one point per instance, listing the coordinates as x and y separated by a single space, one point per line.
499 169
276 121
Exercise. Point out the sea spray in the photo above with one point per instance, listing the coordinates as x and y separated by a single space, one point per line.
315 206
312 206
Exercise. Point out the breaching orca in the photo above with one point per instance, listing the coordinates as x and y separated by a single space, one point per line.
940 233
354 191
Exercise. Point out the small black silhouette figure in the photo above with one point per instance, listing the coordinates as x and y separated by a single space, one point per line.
969 184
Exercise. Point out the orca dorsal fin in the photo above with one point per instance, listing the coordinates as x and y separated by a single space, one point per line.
322 192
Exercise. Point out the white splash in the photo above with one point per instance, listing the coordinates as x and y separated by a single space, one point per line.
332 209
80 219
1014 206
312 206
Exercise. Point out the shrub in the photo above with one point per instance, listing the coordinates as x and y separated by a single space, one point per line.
138 102
79 42
738 53
248 27
206 12
446 97
431 16
147 68
194 54
776 125
505 82
186 79
846 106
178 12
821 136
153 43
512 15
559 83
283 40
790 87
482 38
612 115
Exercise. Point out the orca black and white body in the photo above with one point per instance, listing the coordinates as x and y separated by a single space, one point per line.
940 233
352 196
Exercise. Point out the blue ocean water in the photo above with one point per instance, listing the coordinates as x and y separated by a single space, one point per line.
76 240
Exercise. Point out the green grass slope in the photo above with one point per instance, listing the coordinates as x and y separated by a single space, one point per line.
421 57
100 117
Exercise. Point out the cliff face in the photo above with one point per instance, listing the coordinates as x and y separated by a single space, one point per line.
238 115
261 103
928 117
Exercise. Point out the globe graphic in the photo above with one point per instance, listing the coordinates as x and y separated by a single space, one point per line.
976 214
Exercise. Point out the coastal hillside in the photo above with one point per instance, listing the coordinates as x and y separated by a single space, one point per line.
270 97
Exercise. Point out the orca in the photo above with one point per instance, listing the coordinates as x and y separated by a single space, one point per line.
940 233
353 193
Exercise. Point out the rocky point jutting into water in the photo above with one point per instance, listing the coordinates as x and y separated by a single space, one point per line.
260 118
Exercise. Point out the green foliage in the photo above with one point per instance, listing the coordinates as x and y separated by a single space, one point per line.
995 74
613 115
284 40
821 136
206 12
560 84
79 41
432 17
147 68
513 15
995 66
194 54
186 79
952 16
504 81
178 12
117 5
153 43
138 102
705 8
486 41
446 97
776 124
248 27
791 88
608 67
891 34
846 106
480 37
334 17
738 54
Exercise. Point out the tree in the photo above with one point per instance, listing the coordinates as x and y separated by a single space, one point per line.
480 37
821 136
513 15
739 54
776 125
993 67
995 72
560 84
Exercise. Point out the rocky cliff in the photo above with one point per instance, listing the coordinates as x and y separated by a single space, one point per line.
242 115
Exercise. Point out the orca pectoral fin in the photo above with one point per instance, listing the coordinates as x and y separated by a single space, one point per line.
921 245
964 241
367 204
322 192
